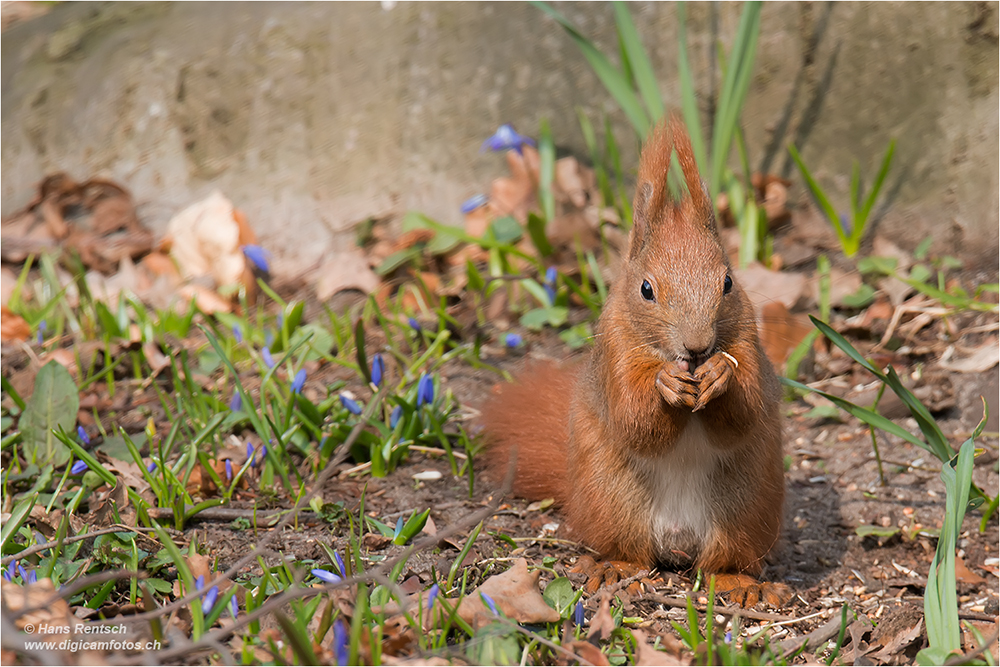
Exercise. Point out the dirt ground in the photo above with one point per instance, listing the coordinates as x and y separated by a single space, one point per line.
832 487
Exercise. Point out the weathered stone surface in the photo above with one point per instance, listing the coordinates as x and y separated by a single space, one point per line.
312 116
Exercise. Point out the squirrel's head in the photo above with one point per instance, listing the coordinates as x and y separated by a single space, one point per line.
677 282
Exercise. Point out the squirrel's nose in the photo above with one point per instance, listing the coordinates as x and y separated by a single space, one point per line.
697 354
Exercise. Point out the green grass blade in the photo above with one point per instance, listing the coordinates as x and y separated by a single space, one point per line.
547 170
17 517
817 192
616 83
689 100
734 90
642 69
879 180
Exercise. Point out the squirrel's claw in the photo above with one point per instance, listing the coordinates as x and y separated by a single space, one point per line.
677 387
712 378
747 591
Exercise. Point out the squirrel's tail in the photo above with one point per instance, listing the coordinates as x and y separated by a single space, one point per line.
526 427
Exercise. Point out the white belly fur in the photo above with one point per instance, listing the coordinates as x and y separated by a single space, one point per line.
680 489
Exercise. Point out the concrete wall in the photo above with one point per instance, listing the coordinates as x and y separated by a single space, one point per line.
314 116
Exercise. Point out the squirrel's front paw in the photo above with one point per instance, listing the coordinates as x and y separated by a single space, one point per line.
713 377
678 387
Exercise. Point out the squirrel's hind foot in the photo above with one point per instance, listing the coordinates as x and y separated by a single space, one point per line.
747 591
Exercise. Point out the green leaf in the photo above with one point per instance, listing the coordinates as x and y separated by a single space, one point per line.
877 531
506 229
860 298
559 595
881 265
642 69
440 243
397 259
921 250
546 170
53 405
536 230
876 188
318 339
359 348
689 99
817 192
413 526
616 83
17 517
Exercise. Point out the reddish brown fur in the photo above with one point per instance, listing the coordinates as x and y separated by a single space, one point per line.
657 366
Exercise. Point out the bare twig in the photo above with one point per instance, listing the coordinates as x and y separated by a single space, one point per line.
682 603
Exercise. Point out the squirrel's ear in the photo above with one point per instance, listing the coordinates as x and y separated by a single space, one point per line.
641 215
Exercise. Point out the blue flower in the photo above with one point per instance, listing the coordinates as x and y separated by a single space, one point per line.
23 573
340 563
729 637
229 470
415 325
82 434
209 600
237 333
6 577
435 589
489 603
351 405
397 412
325 575
474 202
299 381
12 569
268 359
845 223
578 614
234 606
399 528
249 452
378 369
263 454
551 274
42 326
236 402
151 467
340 642
79 468
513 340
505 138
257 256
425 390
199 582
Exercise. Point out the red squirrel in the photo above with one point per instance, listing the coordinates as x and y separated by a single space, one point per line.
665 446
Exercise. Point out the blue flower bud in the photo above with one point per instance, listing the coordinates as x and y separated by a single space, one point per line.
378 369
325 576
268 359
236 402
397 413
340 563
505 138
340 648
257 256
151 467
351 405
425 390
550 275
435 589
578 614
489 603
209 600
229 470
299 381
234 606
79 468
513 340
415 325
82 434
474 202
237 333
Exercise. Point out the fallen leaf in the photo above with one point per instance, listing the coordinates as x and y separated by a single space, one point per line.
781 331
344 271
586 651
515 593
204 240
964 574
601 625
647 655
763 285
900 640
569 181
13 327
982 359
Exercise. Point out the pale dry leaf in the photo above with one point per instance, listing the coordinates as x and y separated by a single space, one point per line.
781 331
647 655
602 624
515 593
588 653
205 241
345 271
982 359
900 640
13 327
763 285
569 181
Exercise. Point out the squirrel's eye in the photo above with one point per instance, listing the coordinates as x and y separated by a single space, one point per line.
647 291
727 285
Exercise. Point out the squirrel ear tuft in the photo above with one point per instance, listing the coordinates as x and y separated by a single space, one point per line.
641 215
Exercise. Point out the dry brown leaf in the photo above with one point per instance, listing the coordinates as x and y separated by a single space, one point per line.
344 271
763 285
900 640
477 220
111 214
208 301
205 241
46 609
587 652
516 595
781 331
13 327
964 574
647 655
602 624
982 359
569 181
